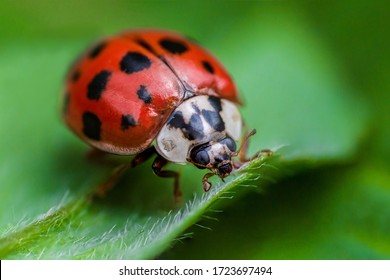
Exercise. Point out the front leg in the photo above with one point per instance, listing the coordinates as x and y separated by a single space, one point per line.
243 150
205 181
157 166
143 156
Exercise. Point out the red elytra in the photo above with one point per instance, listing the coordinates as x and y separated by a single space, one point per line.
121 91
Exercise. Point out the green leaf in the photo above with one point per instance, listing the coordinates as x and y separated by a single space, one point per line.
330 213
294 97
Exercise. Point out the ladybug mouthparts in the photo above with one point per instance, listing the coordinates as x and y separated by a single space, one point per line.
225 170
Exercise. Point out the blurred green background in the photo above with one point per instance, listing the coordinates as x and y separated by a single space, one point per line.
314 78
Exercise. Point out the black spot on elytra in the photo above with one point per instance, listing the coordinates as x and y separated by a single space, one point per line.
98 85
173 46
75 76
91 126
206 65
145 45
97 50
214 119
193 130
144 94
134 62
127 121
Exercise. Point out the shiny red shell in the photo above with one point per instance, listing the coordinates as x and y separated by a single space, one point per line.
122 90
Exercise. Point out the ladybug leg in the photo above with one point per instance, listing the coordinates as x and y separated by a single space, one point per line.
157 166
108 184
267 152
143 156
242 151
95 154
117 173
205 181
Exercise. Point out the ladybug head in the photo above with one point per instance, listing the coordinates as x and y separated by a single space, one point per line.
216 156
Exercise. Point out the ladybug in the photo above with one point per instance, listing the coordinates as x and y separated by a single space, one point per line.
147 92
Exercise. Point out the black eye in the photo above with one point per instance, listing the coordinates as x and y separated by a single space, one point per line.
201 157
229 143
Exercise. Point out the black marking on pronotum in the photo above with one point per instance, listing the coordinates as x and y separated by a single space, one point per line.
134 62
91 126
98 85
195 107
144 94
193 130
97 50
176 120
127 121
216 103
214 119
173 46
209 68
